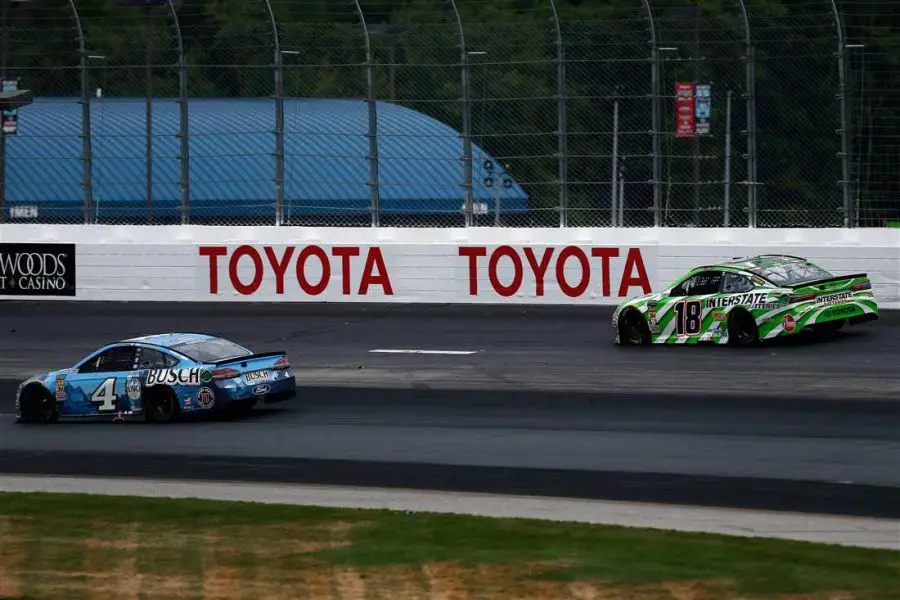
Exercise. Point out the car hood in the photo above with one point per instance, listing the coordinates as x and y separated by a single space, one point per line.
46 377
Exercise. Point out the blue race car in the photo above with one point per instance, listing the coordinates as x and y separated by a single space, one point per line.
160 377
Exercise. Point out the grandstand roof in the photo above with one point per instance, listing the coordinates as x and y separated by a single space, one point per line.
232 163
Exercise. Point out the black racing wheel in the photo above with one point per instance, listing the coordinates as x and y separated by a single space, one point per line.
160 405
742 329
633 329
38 404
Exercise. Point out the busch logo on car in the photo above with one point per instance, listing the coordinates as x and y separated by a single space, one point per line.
192 376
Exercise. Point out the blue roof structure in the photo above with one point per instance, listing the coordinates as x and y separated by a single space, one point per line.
232 162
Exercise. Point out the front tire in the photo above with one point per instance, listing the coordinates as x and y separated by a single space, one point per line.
742 329
633 329
37 404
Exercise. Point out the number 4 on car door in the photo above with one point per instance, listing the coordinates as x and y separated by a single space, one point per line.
105 395
688 317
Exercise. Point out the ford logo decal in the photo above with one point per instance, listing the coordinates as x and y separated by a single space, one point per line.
260 389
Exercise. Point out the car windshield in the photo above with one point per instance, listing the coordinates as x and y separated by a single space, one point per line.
790 273
211 350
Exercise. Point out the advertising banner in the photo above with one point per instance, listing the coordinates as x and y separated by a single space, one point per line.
703 108
478 265
684 110
37 269
476 273
10 118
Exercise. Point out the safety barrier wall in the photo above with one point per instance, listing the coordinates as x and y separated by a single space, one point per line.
589 266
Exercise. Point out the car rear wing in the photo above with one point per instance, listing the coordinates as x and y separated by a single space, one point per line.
222 370
247 357
816 282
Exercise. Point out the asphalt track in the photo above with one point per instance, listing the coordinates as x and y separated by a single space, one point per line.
545 404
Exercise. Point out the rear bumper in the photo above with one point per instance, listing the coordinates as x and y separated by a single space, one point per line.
274 398
843 313
281 387
859 319
269 392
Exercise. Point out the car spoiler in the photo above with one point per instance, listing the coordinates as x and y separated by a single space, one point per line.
828 280
245 357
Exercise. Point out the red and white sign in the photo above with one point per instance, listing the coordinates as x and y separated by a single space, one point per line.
305 270
480 265
684 110
477 273
572 271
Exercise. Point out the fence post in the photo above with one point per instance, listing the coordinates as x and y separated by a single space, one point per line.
562 124
845 117
279 118
615 165
656 100
183 118
148 112
726 218
4 52
466 118
87 156
372 101
750 68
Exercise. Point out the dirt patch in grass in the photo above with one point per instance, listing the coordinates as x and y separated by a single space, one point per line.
71 548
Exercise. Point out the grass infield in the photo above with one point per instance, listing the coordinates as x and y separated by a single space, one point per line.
55 546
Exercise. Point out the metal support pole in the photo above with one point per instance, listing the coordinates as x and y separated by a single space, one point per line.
87 155
726 219
656 108
372 102
621 197
849 220
4 58
750 72
615 164
185 180
279 118
149 113
696 80
466 118
752 181
562 124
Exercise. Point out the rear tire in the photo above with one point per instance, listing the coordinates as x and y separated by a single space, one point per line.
160 405
830 327
742 329
633 329
241 408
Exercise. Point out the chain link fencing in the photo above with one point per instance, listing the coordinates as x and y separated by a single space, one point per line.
452 113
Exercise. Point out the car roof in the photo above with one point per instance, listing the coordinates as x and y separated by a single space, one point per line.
168 340
757 263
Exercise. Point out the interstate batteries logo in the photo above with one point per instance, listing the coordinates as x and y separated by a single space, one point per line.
193 376
37 269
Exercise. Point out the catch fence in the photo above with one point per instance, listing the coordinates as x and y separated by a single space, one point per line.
441 113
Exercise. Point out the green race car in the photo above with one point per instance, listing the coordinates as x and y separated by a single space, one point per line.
745 301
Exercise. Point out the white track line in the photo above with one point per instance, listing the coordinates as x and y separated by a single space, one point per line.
415 351
847 531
